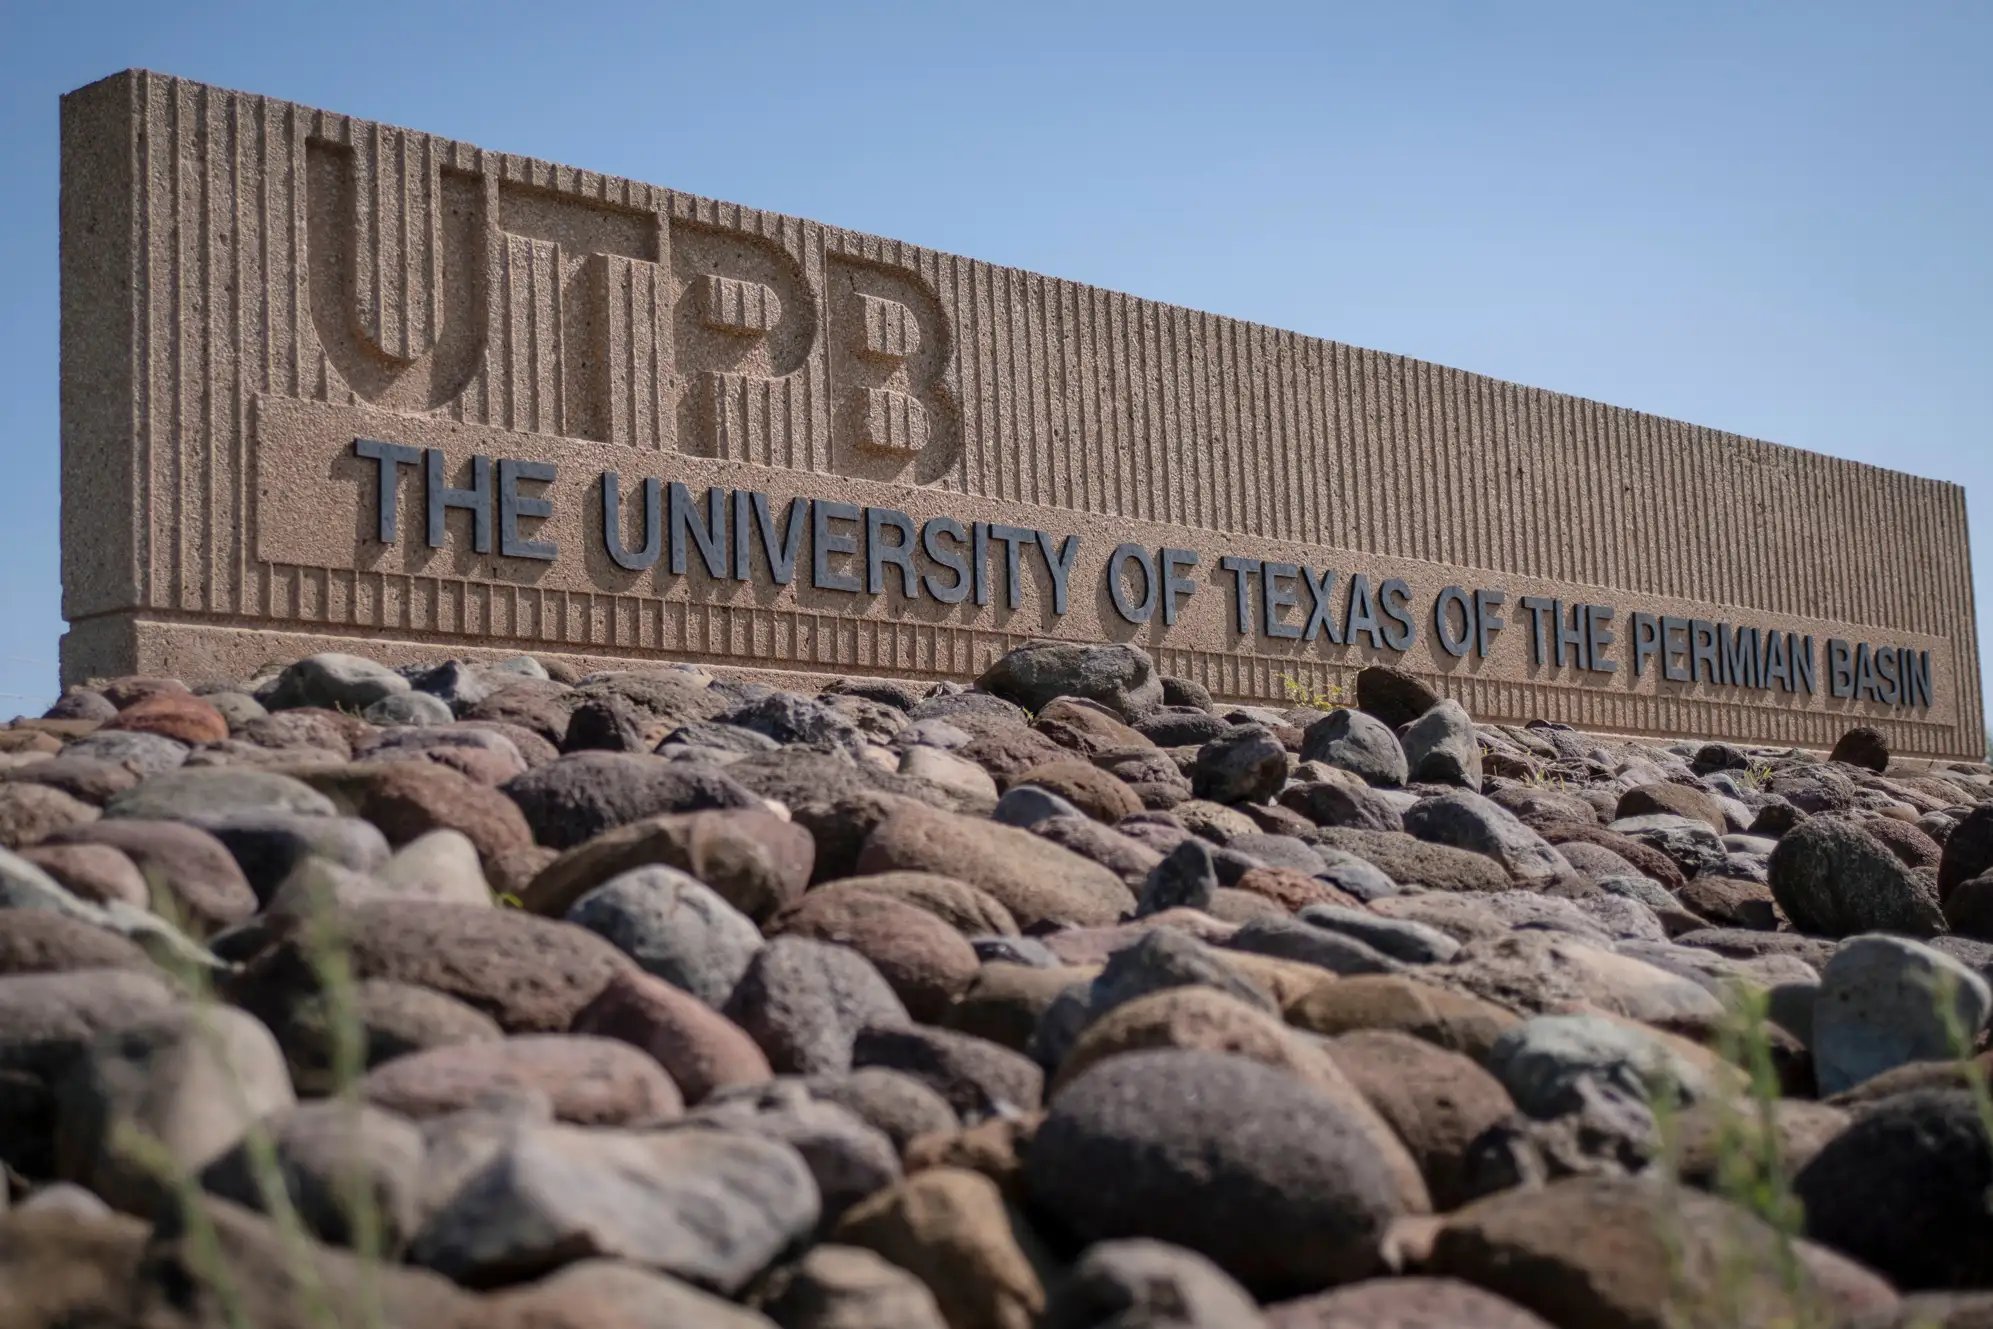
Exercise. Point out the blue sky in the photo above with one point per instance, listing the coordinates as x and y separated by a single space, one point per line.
1773 219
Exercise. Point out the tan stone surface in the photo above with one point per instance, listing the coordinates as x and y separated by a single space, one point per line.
355 280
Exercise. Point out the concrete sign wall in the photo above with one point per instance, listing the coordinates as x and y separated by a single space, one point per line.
332 384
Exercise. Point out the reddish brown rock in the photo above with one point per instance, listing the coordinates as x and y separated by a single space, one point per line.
701 1049
30 813
135 688
925 961
177 715
207 886
1438 1102
1008 751
406 799
84 778
1675 799
1033 878
1403 1303
1438 1015
42 941
1098 793
99 873
1085 727
1291 889
590 1081
531 974
756 861
307 727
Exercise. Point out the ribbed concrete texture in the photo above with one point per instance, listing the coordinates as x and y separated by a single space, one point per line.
274 316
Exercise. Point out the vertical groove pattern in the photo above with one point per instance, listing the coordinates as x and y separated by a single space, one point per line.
1067 396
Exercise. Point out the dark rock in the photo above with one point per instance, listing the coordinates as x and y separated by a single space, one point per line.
1392 695
1122 678
1903 1190
1862 746
1968 850
1834 879
1291 939
1358 742
268 845
1247 1165
1331 803
1676 799
1184 879
1246 765
1468 821
334 681
1181 726
804 1002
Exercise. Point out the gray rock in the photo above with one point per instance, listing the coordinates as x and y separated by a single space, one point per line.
334 681
1440 747
1690 842
1027 805
1542 1060
581 795
1880 1005
804 1002
437 865
193 1081
712 1207
1246 765
977 1078
1401 939
1141 1284
1125 856
1468 821
1357 742
144 755
847 1158
409 708
849 1287
1122 678
1834 879
1355 876
1292 939
941 767
1332 803
238 708
456 684
1280 851
787 718
1251 1167
1180 726
712 736
184 795
675 927
891 1101
334 1156
1185 879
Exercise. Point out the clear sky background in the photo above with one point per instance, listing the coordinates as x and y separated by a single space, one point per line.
1776 219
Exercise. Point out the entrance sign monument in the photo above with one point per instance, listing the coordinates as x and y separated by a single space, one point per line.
333 385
